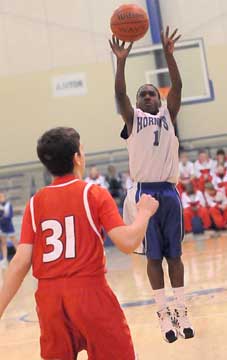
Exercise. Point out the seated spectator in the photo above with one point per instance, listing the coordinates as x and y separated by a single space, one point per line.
204 168
217 205
220 179
196 215
114 183
203 163
220 159
7 230
186 172
126 181
94 177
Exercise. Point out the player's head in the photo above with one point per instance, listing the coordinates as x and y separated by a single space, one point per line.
60 151
220 170
203 156
2 198
148 99
210 189
220 156
93 173
183 157
189 188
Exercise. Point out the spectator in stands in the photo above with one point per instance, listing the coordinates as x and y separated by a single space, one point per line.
203 163
126 181
220 179
196 214
220 159
186 172
204 169
115 186
217 205
95 177
7 230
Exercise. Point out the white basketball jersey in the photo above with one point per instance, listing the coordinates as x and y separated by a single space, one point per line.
153 148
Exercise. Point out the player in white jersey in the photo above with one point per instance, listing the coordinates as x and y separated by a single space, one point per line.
153 164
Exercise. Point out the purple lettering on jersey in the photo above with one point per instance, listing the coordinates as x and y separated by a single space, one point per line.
145 121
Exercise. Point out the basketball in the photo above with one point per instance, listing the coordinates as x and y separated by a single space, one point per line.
129 22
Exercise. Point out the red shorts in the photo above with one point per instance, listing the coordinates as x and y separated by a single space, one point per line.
81 314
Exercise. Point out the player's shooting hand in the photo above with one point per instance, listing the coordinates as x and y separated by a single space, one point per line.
119 49
147 204
168 41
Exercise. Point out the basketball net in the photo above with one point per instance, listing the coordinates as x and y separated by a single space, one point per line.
163 91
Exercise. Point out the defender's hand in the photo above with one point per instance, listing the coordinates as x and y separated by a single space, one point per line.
168 41
148 204
119 49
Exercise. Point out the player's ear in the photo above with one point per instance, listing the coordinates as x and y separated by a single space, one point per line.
76 159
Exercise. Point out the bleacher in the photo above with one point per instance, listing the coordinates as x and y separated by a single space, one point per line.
20 181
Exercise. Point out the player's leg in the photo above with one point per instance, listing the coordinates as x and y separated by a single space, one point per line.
203 213
156 277
4 261
173 236
56 339
217 217
98 315
14 241
188 215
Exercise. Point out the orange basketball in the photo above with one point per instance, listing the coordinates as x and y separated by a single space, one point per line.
129 22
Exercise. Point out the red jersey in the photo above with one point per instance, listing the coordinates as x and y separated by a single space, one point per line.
63 222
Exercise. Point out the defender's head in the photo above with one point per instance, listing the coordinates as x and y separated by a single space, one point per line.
210 189
148 99
60 151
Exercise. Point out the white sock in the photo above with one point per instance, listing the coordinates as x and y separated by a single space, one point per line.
160 298
179 297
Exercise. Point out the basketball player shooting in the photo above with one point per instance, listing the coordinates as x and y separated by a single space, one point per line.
153 163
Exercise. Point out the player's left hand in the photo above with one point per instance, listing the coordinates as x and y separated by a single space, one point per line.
168 41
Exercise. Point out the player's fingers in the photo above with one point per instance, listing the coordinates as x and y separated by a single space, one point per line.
111 45
173 34
130 46
117 41
113 39
167 31
123 44
177 38
162 37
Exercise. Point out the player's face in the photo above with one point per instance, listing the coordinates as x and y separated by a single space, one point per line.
148 100
184 158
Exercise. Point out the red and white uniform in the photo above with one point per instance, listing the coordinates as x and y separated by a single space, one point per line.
189 200
186 170
198 166
63 222
195 205
220 182
186 174
217 208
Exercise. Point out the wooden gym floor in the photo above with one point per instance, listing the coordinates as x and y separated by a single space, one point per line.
205 259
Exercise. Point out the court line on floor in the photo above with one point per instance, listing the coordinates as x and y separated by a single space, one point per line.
203 292
189 296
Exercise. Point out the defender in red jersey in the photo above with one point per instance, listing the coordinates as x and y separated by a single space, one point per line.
61 238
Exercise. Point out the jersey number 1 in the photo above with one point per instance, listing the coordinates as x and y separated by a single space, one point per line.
54 240
156 138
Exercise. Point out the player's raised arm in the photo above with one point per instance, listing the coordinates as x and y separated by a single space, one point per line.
123 101
174 96
128 238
